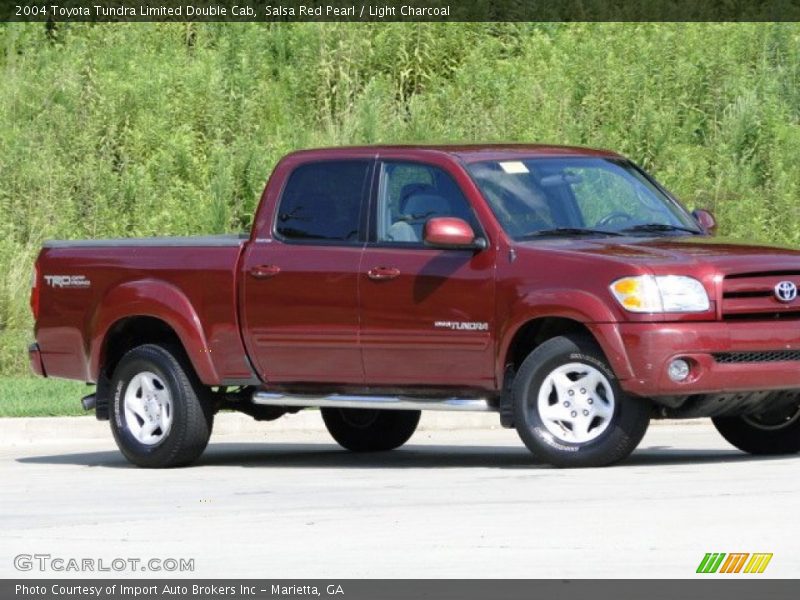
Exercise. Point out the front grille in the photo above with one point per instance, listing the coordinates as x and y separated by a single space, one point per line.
757 357
786 315
752 296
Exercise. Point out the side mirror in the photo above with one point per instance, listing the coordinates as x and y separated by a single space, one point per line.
451 233
706 220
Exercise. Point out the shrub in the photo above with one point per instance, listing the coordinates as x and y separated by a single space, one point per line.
144 129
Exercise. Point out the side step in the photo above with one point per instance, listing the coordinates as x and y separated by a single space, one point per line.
382 402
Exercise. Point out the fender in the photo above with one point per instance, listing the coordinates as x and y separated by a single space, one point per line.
576 305
160 300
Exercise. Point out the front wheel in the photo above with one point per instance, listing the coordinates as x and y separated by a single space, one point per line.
161 413
370 430
569 409
771 432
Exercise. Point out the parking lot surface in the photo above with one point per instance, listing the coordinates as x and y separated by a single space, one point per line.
451 503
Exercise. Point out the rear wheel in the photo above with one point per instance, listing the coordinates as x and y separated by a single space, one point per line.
161 414
770 432
370 430
569 408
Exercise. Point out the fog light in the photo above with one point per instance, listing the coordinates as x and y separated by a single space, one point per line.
678 370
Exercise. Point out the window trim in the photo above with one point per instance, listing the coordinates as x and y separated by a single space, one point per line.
372 225
363 211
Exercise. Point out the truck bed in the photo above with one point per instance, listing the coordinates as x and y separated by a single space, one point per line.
88 287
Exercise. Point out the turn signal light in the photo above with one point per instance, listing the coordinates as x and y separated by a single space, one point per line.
661 294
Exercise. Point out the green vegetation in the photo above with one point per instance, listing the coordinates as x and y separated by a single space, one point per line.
142 129
33 397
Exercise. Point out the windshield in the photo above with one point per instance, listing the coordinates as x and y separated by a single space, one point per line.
560 196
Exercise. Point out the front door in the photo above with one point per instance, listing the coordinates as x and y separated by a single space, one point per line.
427 314
300 292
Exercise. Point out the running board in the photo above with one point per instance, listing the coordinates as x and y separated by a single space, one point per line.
381 402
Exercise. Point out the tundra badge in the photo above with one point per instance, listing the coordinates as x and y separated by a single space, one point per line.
462 325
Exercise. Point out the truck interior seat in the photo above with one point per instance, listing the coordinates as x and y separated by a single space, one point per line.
416 210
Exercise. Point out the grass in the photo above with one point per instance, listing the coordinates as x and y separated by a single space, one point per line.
111 130
39 397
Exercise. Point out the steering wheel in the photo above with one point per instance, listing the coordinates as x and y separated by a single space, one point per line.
617 215
515 214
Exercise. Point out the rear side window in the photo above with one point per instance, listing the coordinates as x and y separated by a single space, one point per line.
322 201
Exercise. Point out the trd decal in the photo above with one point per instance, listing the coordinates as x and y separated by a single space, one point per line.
67 281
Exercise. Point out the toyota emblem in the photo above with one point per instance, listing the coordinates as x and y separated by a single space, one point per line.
786 291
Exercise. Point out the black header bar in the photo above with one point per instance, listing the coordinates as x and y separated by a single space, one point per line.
377 11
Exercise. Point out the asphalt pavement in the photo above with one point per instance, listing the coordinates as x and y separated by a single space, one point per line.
275 502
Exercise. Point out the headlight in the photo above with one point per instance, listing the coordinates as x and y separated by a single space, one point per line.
660 294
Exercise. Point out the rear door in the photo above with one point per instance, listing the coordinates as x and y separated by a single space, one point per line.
427 314
300 291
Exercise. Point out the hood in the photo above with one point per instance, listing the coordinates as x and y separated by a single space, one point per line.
726 255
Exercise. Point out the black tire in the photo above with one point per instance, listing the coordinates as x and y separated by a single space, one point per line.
370 430
192 415
617 432
776 434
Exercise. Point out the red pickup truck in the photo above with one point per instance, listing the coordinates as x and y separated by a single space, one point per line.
562 288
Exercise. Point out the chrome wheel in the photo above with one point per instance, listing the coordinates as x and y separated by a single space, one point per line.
148 408
576 403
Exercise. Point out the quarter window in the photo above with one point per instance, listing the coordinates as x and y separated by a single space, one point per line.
322 201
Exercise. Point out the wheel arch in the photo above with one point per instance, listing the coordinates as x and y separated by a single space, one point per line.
143 312
562 312
531 334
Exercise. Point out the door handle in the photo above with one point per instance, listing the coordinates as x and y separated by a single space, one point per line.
265 271
383 273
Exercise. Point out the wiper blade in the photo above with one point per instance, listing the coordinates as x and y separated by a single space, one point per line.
567 232
659 227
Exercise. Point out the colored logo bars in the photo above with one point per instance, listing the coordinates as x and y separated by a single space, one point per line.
737 562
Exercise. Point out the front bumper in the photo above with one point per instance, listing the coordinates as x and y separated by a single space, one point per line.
650 347
35 357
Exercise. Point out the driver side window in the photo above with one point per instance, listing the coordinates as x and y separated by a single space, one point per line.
411 193
602 195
